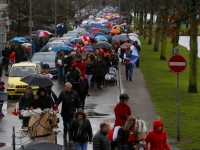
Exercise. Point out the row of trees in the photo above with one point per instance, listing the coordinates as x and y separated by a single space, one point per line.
43 12
170 15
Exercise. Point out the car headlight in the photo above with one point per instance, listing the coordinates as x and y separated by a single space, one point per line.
11 85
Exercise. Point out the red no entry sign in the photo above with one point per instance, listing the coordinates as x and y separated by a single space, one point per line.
177 63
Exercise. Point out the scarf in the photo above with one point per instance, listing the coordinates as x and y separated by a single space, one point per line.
80 123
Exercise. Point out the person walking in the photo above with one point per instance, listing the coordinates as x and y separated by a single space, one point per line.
157 138
59 61
128 64
5 55
122 110
89 71
80 132
19 54
127 134
70 103
139 49
100 140
100 71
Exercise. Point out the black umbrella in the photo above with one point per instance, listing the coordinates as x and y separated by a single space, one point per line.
102 45
104 31
37 80
120 38
41 145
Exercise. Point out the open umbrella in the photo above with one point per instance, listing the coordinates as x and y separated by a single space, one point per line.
19 40
118 27
126 45
97 33
105 31
41 144
101 38
59 47
37 80
114 31
133 34
43 33
26 44
120 38
102 45
134 38
75 40
89 49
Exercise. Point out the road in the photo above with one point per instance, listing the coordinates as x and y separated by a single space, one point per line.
101 103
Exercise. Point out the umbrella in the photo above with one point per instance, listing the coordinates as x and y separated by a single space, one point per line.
102 45
101 38
37 80
126 45
26 44
19 40
133 38
120 38
105 31
109 37
89 49
44 33
96 24
41 144
118 27
133 34
58 48
114 31
71 45
92 38
98 33
83 33
87 26
75 40
111 19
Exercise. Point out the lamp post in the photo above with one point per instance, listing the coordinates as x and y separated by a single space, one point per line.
30 25
119 6
55 16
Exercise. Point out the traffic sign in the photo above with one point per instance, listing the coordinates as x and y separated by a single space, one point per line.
177 63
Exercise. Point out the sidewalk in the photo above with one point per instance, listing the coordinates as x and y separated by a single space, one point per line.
140 99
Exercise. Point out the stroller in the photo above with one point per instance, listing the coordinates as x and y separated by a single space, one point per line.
110 78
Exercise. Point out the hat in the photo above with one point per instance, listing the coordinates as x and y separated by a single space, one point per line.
78 55
123 97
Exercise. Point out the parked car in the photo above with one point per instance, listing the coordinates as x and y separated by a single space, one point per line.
46 58
18 70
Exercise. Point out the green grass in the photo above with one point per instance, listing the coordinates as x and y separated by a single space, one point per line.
162 85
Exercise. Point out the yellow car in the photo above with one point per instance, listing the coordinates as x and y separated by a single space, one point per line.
18 70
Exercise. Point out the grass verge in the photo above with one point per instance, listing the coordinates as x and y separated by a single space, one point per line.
162 85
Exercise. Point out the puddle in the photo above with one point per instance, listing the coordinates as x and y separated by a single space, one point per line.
93 114
90 106
2 144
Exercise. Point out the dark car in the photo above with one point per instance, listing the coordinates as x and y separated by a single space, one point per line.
46 58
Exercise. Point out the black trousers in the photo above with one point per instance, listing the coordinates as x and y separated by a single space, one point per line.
66 124
99 80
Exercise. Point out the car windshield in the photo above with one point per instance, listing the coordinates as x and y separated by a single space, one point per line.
44 57
20 71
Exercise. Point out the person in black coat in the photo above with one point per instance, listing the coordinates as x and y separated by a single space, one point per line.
44 100
100 139
68 61
27 101
100 71
70 103
80 132
19 54
5 54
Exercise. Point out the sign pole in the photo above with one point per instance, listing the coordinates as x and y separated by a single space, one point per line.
178 108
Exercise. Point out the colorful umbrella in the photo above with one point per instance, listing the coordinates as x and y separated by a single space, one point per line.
101 38
59 48
44 33
19 40
114 31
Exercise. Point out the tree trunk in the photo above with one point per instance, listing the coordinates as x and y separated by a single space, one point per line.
192 88
150 28
135 18
164 34
157 40
145 23
176 37
141 21
19 22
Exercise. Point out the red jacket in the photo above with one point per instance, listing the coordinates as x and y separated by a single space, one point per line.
48 75
121 113
157 139
81 66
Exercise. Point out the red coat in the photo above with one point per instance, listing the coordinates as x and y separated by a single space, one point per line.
157 139
121 113
81 66
48 75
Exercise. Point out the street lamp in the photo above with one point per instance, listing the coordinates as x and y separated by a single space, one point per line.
30 24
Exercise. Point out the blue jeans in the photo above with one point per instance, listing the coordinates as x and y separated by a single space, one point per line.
129 71
80 146
61 73
89 77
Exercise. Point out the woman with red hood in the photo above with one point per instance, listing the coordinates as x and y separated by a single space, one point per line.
157 137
